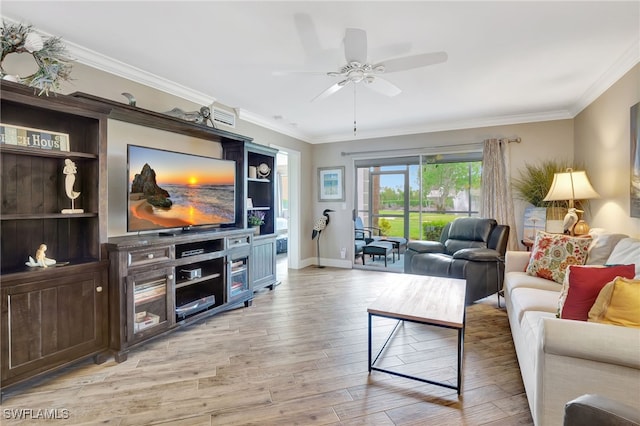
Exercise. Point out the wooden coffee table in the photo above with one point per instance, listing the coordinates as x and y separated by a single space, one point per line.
426 300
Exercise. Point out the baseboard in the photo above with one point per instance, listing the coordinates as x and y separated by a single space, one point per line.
334 263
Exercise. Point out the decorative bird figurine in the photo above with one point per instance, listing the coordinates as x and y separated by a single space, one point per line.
321 223
319 226
570 220
130 98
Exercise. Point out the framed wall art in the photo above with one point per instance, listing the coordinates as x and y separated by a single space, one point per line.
331 183
535 219
635 161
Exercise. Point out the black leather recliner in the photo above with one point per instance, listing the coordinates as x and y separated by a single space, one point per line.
469 248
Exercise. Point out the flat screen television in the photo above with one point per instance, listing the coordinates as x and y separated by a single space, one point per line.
170 190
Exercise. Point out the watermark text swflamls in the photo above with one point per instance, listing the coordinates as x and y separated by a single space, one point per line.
35 413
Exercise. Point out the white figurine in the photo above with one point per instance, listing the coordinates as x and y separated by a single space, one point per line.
70 178
41 258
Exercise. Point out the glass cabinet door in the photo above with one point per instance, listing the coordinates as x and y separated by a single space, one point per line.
148 303
239 282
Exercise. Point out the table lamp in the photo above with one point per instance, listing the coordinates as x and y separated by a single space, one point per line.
572 185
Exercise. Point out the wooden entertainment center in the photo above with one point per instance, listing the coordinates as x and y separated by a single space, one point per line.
107 295
158 283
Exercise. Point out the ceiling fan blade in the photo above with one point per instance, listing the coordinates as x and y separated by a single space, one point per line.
355 45
383 86
331 90
415 61
308 34
294 72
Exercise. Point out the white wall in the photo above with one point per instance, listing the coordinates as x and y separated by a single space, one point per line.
603 145
544 140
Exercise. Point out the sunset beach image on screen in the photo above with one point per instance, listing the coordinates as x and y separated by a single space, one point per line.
168 189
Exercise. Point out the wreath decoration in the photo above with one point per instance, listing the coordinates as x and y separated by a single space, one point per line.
50 56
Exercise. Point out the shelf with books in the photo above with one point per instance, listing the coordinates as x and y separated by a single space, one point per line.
148 291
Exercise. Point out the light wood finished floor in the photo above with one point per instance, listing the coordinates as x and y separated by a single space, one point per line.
297 356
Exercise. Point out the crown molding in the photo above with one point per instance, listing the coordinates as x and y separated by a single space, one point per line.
104 63
448 126
259 120
112 66
627 61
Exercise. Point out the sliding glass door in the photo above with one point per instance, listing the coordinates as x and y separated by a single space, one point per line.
415 197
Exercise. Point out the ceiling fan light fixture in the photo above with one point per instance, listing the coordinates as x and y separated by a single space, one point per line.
356 75
359 70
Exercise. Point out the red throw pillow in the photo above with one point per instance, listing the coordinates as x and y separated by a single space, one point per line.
583 284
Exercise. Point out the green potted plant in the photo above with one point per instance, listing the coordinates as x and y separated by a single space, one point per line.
256 219
535 181
533 185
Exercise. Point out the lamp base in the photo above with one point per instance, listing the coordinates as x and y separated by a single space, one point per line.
581 228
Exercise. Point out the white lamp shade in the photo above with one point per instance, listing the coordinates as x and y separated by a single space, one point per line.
571 185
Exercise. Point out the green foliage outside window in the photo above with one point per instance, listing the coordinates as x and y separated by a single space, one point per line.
441 181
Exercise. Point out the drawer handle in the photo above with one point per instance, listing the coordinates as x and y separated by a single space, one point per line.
170 276
150 256
99 289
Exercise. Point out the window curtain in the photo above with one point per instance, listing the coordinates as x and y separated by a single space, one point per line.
497 202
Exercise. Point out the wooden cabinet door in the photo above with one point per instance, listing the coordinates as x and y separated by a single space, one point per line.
263 262
58 318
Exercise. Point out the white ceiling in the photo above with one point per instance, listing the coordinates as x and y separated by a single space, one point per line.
509 62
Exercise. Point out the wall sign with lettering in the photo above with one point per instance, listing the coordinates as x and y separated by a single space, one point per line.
33 138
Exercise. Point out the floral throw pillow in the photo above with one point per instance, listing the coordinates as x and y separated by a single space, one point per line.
552 254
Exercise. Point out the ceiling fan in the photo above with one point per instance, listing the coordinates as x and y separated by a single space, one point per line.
359 70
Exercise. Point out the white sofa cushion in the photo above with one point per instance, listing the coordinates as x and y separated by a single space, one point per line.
525 299
530 327
522 280
602 244
626 252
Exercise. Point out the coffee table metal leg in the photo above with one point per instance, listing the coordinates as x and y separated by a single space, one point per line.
372 362
460 349
369 343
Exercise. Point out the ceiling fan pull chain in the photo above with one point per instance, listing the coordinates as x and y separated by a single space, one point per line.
354 110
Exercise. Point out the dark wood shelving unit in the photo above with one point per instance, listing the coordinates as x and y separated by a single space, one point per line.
262 192
52 317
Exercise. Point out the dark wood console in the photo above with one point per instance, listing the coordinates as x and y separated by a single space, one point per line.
159 283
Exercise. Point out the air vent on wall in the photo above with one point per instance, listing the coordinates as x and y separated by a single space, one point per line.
224 117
